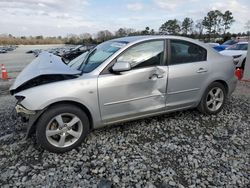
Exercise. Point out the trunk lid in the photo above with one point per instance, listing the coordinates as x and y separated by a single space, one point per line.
233 52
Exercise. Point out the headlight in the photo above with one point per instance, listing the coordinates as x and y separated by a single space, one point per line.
236 56
19 98
236 61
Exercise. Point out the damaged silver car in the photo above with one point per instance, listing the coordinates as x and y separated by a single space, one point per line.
119 80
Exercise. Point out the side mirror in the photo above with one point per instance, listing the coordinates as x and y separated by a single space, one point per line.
121 67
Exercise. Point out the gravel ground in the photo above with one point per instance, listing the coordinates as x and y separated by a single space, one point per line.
182 149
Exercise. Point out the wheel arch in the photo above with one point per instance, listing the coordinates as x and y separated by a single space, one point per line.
201 106
224 83
32 123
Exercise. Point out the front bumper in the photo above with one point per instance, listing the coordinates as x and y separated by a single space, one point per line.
20 109
23 113
28 116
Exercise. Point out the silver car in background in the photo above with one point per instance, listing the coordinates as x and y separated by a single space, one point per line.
120 80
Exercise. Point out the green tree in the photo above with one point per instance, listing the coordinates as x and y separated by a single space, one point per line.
218 17
152 32
39 37
145 31
213 23
104 35
210 22
170 27
227 20
199 28
247 25
121 32
187 25
85 38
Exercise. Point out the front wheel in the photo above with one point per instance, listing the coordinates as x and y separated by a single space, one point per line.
62 128
213 99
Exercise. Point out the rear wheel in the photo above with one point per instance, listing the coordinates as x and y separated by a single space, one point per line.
62 128
213 99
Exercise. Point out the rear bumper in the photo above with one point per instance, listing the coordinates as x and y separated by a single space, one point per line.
232 85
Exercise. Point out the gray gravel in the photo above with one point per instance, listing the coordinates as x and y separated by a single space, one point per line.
182 149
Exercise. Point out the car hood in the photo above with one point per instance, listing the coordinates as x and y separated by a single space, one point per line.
44 64
233 52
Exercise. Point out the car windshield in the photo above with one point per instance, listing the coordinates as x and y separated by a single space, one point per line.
229 42
76 63
238 47
99 54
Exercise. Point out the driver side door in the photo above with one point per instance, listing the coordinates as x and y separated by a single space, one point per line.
139 91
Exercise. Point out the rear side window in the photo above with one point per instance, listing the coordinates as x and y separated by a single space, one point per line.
144 55
186 52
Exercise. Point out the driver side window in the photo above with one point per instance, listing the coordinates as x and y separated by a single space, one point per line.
144 55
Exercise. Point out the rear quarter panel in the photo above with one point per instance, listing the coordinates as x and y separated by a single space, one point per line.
221 68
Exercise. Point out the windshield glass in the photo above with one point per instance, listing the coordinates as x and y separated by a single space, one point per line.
100 54
238 47
76 63
229 42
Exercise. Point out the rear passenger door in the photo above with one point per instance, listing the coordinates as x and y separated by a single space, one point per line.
188 70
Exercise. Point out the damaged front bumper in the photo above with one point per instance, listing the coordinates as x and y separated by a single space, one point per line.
23 112
28 116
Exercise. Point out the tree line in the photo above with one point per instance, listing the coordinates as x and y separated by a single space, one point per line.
213 27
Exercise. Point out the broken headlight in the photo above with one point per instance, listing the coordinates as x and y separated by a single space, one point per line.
19 98
236 56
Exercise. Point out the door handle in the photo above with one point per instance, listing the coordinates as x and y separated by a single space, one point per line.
156 76
159 75
201 70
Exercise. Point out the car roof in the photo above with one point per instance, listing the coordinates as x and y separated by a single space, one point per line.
141 38
242 43
148 37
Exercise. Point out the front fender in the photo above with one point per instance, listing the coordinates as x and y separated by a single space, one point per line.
82 91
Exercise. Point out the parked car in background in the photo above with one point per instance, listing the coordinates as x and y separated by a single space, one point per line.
119 80
3 51
213 44
73 53
225 45
35 52
76 63
238 52
8 48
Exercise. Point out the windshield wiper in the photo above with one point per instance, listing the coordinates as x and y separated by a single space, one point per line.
63 60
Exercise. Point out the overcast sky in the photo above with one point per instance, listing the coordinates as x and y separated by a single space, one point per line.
61 17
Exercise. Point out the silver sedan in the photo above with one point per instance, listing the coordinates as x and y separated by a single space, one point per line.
119 80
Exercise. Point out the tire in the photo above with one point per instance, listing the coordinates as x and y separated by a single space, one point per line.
213 104
62 128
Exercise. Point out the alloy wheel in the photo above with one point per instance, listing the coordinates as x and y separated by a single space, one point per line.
64 130
215 99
